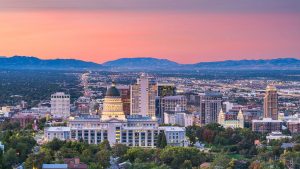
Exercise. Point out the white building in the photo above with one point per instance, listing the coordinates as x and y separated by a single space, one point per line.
178 117
228 106
135 130
60 105
175 135
61 133
142 96
276 136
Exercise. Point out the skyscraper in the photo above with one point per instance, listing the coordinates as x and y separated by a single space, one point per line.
142 96
60 105
271 103
210 106
125 95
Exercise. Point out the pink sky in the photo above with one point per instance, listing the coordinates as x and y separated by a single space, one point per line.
183 36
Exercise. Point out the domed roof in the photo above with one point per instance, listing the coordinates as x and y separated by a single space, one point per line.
112 91
271 88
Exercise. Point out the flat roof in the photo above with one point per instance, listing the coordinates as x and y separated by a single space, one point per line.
267 120
55 166
172 128
58 129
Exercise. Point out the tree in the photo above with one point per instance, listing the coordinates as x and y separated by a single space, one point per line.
187 164
35 160
10 158
144 155
119 150
103 157
161 140
221 162
95 166
55 144
105 145
175 156
191 133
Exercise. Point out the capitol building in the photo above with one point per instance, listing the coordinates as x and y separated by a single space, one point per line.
114 126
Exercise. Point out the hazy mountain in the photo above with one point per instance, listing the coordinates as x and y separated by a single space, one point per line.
25 62
280 63
141 63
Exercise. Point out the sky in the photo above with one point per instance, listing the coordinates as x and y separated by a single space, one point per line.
185 31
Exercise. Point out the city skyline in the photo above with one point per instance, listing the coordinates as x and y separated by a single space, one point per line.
185 32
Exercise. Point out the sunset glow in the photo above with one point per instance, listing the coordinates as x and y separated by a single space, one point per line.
185 36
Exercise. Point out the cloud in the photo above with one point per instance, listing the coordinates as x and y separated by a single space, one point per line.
153 5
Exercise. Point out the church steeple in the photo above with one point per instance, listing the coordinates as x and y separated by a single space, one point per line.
221 117
240 118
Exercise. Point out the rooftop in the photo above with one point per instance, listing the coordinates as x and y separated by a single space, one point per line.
172 128
266 120
55 166
58 129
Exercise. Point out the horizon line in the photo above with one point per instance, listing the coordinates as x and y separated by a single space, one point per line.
147 58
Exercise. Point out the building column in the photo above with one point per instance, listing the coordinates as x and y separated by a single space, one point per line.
89 137
95 135
152 138
133 138
76 134
140 139
127 138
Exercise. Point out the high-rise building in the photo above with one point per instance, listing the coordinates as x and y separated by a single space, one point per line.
169 103
164 89
60 105
271 103
143 95
125 96
179 117
210 106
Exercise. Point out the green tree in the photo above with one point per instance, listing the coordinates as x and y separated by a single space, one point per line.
161 140
187 164
10 158
119 150
175 156
105 145
35 160
95 166
221 162
55 144
103 157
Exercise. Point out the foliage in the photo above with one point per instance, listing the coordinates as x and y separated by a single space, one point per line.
161 140
175 156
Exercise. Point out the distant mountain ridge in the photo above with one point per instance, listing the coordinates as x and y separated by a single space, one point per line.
140 63
25 62
146 63
165 64
279 63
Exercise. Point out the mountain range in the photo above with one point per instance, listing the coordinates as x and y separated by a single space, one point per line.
25 62
146 63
